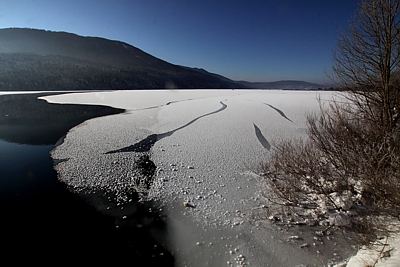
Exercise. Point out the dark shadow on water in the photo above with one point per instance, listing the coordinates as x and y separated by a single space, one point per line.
42 221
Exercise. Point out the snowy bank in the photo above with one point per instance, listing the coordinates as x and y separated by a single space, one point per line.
385 253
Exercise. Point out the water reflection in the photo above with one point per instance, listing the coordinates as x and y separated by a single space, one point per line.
29 128
24 119
42 218
26 171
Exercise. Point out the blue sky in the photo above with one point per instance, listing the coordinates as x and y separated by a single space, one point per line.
253 40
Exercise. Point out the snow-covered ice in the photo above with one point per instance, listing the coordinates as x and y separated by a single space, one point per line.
204 144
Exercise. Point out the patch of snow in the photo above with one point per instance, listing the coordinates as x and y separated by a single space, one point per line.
378 255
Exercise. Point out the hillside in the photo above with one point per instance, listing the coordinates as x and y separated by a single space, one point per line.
44 60
288 85
34 59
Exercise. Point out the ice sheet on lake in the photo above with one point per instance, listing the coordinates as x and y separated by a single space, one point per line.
218 137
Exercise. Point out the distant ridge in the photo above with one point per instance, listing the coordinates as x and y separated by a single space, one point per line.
33 59
287 84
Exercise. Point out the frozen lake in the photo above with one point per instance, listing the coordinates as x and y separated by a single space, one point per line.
192 154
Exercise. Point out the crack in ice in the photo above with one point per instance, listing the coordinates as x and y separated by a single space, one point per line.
279 111
264 142
146 144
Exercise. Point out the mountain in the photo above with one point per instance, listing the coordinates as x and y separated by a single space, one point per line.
34 59
44 60
286 85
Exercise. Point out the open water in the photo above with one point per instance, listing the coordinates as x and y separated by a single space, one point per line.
41 220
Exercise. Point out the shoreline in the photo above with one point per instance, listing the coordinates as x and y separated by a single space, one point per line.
57 218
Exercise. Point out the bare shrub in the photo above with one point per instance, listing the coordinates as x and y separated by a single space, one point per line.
347 173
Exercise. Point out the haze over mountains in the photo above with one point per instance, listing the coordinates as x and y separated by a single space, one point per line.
43 60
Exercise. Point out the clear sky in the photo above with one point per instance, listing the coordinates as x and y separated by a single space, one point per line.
253 40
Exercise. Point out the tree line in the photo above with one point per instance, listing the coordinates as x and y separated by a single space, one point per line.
26 71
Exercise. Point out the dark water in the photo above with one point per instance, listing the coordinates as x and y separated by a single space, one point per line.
41 220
